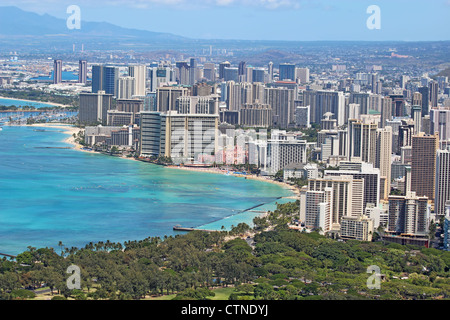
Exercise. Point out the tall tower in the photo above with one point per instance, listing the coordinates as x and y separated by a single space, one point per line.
423 164
383 160
57 71
97 78
242 68
442 188
362 141
386 111
434 91
425 100
138 73
416 112
82 71
270 71
222 67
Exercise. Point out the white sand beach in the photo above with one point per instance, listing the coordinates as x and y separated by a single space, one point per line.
248 176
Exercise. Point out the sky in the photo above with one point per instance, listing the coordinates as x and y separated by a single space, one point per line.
296 20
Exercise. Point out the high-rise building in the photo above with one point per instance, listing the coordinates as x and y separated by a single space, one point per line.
284 150
362 99
208 104
258 75
125 87
282 102
423 164
242 68
434 91
139 73
302 75
318 209
82 71
287 71
383 160
193 71
440 122
231 74
362 141
408 214
165 75
357 228
209 71
386 111
398 105
222 67
182 72
302 117
110 76
324 101
425 92
180 136
365 171
104 78
94 107
416 113
255 115
57 71
166 97
270 72
97 78
347 197
238 94
442 188
416 99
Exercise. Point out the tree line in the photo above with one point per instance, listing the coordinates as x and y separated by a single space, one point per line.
267 261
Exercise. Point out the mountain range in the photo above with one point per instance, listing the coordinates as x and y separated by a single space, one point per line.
17 24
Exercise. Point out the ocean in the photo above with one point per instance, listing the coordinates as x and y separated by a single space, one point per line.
24 103
48 195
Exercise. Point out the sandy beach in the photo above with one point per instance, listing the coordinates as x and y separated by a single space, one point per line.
68 129
33 101
248 176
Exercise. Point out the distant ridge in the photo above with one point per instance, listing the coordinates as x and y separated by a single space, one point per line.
17 22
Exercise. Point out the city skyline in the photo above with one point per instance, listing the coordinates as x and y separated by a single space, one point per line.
288 20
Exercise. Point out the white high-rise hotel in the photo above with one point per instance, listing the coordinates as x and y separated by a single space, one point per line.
139 74
442 189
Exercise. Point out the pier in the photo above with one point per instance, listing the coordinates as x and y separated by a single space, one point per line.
7 255
180 228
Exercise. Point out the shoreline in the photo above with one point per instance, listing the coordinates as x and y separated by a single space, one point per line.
70 130
248 176
49 103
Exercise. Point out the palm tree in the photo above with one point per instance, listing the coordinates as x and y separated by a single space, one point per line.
61 245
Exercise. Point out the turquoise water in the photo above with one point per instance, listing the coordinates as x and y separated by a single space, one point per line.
52 195
23 103
66 76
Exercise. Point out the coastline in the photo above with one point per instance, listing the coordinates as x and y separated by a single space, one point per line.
70 130
248 176
33 101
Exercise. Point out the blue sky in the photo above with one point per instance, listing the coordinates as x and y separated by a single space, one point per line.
407 20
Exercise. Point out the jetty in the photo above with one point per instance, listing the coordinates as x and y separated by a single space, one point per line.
7 255
180 228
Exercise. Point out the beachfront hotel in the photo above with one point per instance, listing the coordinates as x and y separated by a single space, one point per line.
183 137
